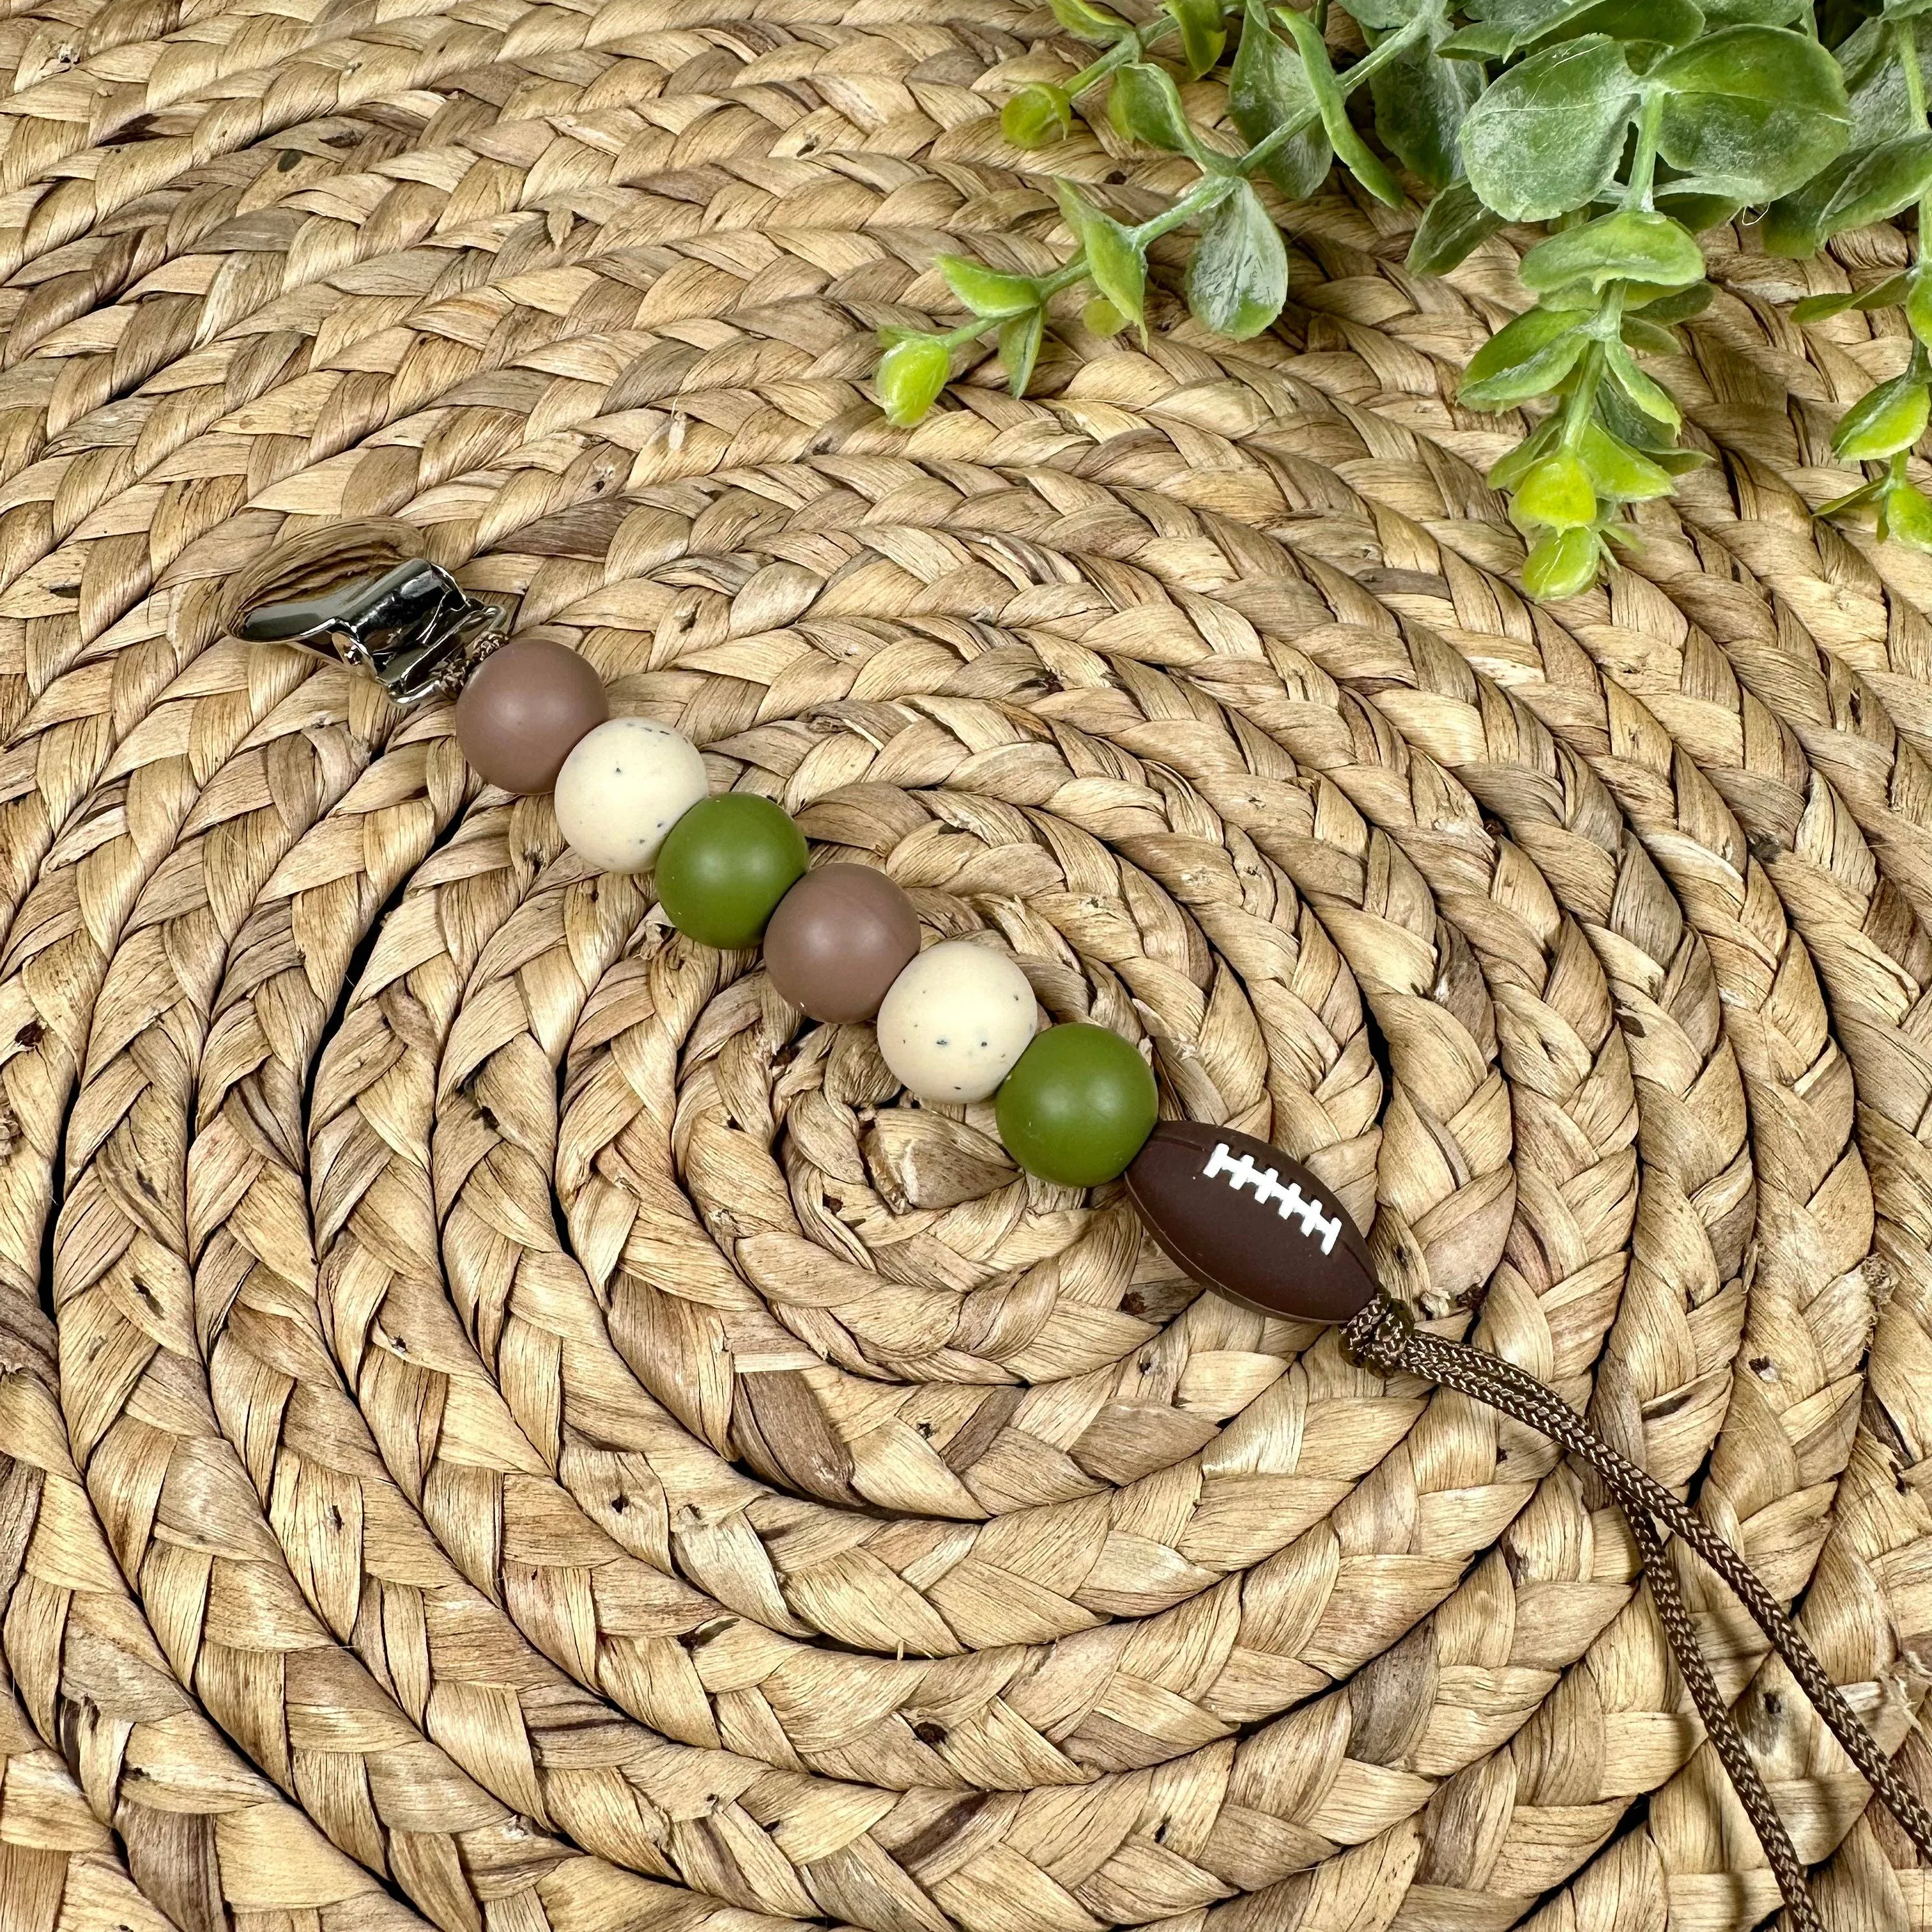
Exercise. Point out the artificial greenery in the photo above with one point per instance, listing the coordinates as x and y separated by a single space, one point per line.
1627 127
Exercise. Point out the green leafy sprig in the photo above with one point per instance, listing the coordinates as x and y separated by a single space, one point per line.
1736 116
1886 168
1284 96
1626 127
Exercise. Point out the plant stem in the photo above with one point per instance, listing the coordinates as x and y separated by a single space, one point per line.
1906 40
1581 404
1211 187
1202 196
1643 163
1128 48
1378 57
1579 407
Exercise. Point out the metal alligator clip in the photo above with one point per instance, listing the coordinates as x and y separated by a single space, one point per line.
414 629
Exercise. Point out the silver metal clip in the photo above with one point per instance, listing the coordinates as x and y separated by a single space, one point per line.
414 629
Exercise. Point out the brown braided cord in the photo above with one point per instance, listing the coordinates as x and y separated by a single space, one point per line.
1019 1586
1385 1334
1739 1765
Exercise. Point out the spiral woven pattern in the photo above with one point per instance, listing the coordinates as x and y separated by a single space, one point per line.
504 1427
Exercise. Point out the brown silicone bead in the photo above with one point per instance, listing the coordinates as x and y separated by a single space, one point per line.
839 939
526 705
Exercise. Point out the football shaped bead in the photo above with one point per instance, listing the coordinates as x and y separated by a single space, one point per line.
1242 1218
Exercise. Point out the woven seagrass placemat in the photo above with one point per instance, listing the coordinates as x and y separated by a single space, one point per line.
503 1428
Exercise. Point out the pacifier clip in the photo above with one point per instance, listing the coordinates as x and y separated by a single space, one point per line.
1076 1104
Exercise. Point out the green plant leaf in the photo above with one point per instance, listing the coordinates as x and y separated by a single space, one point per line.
1919 303
1143 105
1887 294
1793 226
1546 136
1651 397
1646 338
1631 246
1522 18
1668 23
1511 24
1753 12
1628 424
1351 149
1558 494
1452 226
1268 89
1880 183
1117 262
1563 564
987 292
1420 101
1525 358
1383 16
1904 514
1852 499
1087 22
1119 268
1884 420
1203 33
1238 278
1619 472
1019 340
1858 188
1509 469
1750 112
1698 212
1300 165
1037 116
1102 317
1482 42
1875 88
1671 305
910 376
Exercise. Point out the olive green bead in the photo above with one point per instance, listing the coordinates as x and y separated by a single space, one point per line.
725 865
1077 1106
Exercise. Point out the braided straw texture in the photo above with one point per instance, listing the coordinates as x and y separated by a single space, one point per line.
504 1428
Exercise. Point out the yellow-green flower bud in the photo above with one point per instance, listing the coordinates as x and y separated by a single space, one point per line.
910 377
1037 116
1562 564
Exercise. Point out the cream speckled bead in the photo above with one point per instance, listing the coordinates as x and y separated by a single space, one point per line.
623 787
955 1020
